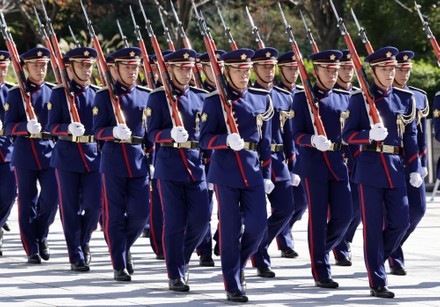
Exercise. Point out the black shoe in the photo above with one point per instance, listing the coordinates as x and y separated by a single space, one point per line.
130 263
289 253
236 296
243 282
398 270
265 272
79 266
206 260
6 227
121 275
34 259
343 262
382 292
146 232
216 250
326 283
178 285
160 257
87 254
1 241
44 250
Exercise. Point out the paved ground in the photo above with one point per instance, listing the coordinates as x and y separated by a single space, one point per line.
53 284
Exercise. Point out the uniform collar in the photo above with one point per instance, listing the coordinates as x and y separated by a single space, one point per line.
178 92
378 92
77 88
122 89
207 86
320 93
286 87
258 85
234 94
33 87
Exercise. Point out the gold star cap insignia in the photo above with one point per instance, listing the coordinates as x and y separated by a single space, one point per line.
348 56
49 106
86 53
268 54
204 117
186 55
293 58
39 53
6 106
2 57
95 110
405 57
435 113
132 54
243 56
332 57
388 54
217 55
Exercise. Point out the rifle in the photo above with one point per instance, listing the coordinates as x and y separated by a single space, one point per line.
123 37
166 32
309 34
227 29
65 81
53 60
148 73
187 44
255 30
429 34
360 72
15 59
106 73
362 34
75 41
171 99
221 84
311 99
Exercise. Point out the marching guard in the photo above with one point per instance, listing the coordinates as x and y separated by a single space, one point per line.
379 169
33 147
76 157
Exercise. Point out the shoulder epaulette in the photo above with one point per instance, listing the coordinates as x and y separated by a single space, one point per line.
9 84
300 87
403 91
300 92
355 92
50 84
14 88
338 90
158 89
200 90
212 94
417 89
102 90
57 87
258 90
437 94
95 87
144 88
355 89
283 90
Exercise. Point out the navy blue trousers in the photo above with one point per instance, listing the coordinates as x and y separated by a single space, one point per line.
8 191
330 212
237 206
156 219
205 247
186 217
385 219
80 207
36 211
125 214
281 202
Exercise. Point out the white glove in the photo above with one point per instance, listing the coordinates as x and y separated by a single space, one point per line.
378 132
33 126
179 134
295 179
235 141
1 125
121 132
210 186
415 179
425 172
76 129
320 142
151 171
268 186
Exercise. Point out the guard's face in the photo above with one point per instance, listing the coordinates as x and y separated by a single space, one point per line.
327 76
402 75
181 74
239 77
83 70
3 72
209 74
289 74
265 72
346 73
384 76
36 71
128 73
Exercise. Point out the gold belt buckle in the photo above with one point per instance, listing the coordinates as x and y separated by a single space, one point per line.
2 132
247 145
388 149
83 139
36 136
332 147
